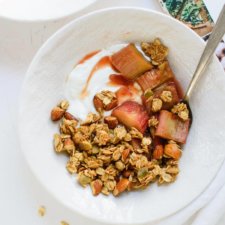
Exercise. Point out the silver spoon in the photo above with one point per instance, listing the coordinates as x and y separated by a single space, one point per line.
214 39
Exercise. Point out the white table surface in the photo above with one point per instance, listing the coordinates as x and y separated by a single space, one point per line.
20 194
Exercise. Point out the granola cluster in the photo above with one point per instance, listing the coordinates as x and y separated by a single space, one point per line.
156 104
109 157
166 96
105 100
181 110
155 50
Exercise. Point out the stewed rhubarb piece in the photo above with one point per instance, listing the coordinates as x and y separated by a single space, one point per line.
158 149
130 62
155 77
132 114
124 94
166 92
171 127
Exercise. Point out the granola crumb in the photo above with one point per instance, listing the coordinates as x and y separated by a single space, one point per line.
105 191
153 122
120 165
64 222
41 211
91 118
181 110
166 96
156 104
85 145
58 144
148 93
135 133
64 105
179 107
184 115
57 113
146 141
72 164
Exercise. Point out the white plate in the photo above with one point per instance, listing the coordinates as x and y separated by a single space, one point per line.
43 88
39 10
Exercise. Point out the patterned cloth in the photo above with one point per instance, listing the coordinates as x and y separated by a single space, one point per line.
195 15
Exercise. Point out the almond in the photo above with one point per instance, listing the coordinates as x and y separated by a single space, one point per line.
105 100
69 116
158 152
173 151
57 113
96 187
111 105
125 154
98 104
64 105
69 145
121 186
111 121
126 173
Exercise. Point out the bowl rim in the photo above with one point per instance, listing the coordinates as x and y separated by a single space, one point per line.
46 19
35 59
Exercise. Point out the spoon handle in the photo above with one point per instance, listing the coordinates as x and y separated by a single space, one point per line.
214 39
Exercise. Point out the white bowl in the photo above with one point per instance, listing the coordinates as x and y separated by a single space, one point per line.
43 88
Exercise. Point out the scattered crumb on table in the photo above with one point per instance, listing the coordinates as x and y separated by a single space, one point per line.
64 223
41 211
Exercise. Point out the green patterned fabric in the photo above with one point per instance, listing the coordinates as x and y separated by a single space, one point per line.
191 12
173 6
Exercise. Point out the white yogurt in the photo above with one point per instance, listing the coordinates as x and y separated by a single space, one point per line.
77 79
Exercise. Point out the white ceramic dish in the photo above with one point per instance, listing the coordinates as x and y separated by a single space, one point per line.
44 87
40 10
